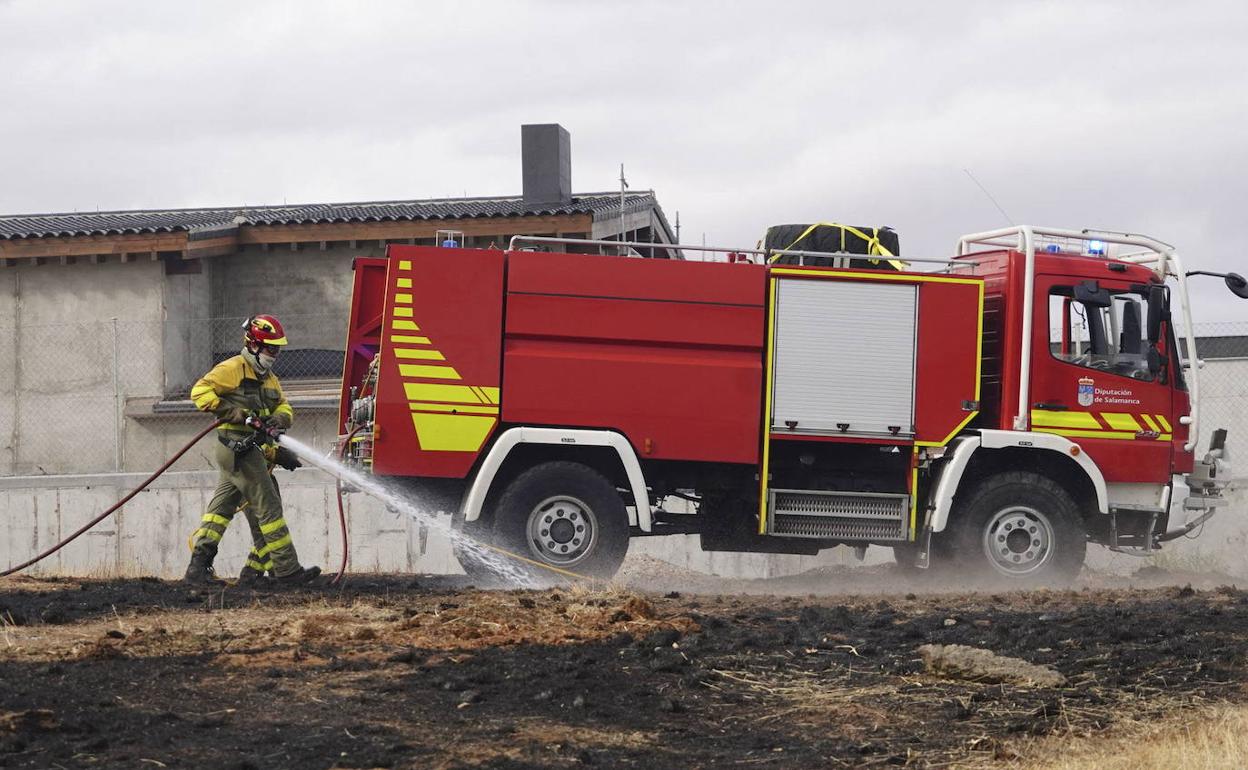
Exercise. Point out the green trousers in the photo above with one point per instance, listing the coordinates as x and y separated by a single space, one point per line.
248 484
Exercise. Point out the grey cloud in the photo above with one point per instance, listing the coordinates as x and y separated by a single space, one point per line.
1125 115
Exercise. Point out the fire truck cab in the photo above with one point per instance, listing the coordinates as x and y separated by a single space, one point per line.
1025 397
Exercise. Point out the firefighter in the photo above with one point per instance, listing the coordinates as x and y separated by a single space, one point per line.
235 390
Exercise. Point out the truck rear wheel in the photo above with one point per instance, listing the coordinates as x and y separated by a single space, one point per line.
1018 529
565 515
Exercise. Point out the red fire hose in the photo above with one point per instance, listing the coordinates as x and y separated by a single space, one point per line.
119 503
342 514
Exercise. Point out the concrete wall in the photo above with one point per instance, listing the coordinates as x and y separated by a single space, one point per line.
9 352
309 290
149 536
61 406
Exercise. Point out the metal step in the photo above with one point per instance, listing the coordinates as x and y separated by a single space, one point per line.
838 515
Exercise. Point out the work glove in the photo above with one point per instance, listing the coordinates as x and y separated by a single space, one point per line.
232 414
280 420
286 459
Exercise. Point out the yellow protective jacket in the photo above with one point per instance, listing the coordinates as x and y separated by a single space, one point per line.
234 382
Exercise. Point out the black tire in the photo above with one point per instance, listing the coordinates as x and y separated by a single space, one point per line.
586 530
1033 526
480 531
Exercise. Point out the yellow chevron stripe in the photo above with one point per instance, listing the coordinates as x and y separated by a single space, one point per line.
425 354
1121 421
1165 424
431 372
417 406
404 326
491 394
428 391
410 339
1150 422
1078 420
1106 434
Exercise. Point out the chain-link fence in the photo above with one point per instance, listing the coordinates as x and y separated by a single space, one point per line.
113 396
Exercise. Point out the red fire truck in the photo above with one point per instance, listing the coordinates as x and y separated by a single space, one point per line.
997 411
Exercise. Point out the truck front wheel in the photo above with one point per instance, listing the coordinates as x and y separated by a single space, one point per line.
1018 529
564 515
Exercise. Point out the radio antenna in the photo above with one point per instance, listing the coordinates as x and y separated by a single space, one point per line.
988 195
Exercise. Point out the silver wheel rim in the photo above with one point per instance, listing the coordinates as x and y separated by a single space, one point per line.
562 530
1018 541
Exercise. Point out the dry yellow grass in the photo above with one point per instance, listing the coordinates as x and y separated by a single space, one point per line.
1214 738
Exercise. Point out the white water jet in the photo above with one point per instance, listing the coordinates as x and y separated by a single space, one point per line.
495 562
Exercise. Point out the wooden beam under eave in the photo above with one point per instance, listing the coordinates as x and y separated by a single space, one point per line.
211 247
86 245
397 231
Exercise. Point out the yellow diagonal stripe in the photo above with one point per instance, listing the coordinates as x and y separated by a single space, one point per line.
406 326
409 338
1120 420
418 406
1165 424
1106 434
491 394
428 391
426 354
431 372
1080 420
451 432
1150 422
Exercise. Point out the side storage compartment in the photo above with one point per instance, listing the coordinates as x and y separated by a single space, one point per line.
863 369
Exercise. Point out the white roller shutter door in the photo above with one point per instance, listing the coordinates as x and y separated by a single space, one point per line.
844 355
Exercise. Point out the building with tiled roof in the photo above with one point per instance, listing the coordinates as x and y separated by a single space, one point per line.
111 315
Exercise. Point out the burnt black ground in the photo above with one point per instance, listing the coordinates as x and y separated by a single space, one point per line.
774 681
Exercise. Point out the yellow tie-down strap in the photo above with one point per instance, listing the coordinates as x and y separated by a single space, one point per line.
873 243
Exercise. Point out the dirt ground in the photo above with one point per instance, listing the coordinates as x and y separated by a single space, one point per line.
666 669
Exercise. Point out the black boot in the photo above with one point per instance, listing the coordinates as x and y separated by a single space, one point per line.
250 578
304 576
199 571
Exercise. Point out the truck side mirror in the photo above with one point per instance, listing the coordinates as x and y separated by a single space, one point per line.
1238 286
1091 294
1156 312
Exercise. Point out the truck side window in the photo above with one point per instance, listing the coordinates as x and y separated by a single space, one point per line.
1109 339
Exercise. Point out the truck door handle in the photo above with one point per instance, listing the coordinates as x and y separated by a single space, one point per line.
1052 406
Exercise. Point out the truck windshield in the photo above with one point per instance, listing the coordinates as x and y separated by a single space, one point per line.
1110 339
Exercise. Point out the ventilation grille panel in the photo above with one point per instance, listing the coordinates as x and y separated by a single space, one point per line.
839 515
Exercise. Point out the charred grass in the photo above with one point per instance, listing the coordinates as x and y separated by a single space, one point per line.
391 672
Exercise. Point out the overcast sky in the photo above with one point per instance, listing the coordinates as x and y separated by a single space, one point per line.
1126 116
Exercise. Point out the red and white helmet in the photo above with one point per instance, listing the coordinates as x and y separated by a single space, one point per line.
264 330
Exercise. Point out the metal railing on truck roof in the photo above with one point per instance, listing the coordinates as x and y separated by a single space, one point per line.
716 249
